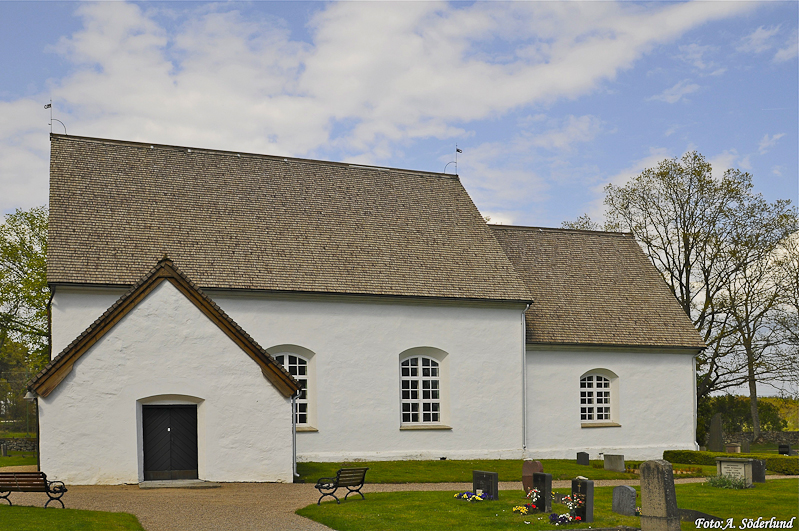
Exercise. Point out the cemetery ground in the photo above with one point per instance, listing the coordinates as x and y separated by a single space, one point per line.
423 511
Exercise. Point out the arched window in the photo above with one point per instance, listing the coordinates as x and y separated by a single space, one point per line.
298 368
421 390
595 398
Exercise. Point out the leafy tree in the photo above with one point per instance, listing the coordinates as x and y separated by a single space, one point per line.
714 241
736 414
23 285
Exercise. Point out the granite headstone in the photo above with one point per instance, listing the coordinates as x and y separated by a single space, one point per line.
758 471
715 442
624 500
784 449
745 446
582 458
614 462
583 490
486 482
659 510
543 482
529 468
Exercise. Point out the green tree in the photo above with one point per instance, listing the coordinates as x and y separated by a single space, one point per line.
714 242
23 285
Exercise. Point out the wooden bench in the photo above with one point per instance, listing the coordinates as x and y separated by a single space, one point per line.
31 482
351 478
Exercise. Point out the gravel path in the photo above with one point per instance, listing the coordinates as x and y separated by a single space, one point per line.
236 506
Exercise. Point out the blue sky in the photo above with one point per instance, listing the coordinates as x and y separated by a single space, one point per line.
549 101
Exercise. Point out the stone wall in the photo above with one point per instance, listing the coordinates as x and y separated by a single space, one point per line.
19 444
778 437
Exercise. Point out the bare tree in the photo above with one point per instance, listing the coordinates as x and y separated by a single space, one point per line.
703 234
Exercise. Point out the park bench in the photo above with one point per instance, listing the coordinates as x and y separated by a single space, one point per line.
351 478
31 482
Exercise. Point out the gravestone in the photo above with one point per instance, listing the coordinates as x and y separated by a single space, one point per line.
529 468
3 450
715 442
583 490
745 446
784 449
486 482
614 462
543 482
758 471
582 458
659 510
624 500
732 448
735 467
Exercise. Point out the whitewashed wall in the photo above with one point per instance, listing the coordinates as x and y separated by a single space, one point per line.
357 342
164 351
655 403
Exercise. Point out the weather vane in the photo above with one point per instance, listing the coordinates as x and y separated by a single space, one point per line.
455 162
50 106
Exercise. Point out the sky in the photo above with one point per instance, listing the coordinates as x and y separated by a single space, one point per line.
548 101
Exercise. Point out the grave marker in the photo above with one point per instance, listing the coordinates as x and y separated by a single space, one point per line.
758 471
659 510
784 449
624 500
486 482
529 468
583 492
582 458
715 442
543 482
614 462
745 446
735 467
732 448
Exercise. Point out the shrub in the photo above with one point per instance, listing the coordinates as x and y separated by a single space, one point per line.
726 482
778 464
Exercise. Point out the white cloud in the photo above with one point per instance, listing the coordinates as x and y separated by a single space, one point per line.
694 54
372 78
675 93
790 50
768 142
759 40
777 170
723 162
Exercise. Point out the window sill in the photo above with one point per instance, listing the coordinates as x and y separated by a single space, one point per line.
411 427
600 425
300 429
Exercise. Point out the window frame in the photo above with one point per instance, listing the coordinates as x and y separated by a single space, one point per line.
426 385
309 400
598 405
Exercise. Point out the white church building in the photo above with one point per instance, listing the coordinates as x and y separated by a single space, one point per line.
217 315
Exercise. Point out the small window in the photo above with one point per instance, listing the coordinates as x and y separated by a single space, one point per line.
421 390
594 398
298 368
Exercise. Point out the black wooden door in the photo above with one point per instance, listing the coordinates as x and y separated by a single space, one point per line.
170 442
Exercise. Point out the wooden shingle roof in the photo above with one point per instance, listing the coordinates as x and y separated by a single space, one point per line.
165 271
594 288
256 222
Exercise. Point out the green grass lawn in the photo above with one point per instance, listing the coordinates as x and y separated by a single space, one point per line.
36 519
18 459
16 435
461 471
432 511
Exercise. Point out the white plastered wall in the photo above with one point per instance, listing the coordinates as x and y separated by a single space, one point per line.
165 351
653 402
357 343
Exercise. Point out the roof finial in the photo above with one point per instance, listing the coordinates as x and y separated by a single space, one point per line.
165 260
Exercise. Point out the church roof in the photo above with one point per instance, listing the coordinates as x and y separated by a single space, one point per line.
594 288
257 222
61 365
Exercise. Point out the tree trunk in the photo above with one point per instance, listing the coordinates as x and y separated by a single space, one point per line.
753 400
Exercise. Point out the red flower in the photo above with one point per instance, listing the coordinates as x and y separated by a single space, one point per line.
577 518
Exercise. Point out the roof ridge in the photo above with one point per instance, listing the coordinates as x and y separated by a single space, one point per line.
238 154
561 230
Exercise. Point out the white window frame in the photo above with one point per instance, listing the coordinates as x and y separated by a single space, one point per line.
306 402
423 392
599 399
